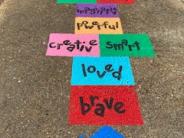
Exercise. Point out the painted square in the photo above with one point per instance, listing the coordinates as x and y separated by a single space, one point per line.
132 45
104 105
70 45
74 1
97 25
102 71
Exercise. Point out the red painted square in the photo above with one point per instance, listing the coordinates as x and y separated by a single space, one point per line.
104 105
116 1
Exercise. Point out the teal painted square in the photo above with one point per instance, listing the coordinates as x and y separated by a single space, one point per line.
81 76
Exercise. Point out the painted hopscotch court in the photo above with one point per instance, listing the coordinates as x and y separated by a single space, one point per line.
102 83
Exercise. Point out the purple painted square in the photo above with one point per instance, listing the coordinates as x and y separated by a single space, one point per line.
97 10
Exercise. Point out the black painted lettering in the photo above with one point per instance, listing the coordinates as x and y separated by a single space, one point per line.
100 110
118 107
109 103
101 75
71 48
52 45
92 99
77 44
88 49
118 74
67 42
84 70
109 45
91 69
85 107
93 42
109 68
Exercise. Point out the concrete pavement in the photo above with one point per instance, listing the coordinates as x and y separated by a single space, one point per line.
34 89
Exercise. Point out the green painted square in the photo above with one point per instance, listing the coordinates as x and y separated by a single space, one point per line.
74 1
132 45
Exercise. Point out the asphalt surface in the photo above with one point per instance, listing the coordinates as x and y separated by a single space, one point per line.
34 89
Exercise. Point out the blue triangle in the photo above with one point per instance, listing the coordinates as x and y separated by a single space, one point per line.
107 132
82 136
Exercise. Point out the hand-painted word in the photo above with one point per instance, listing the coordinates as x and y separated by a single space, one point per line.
98 26
134 45
102 71
101 105
107 69
97 10
78 45
122 45
73 45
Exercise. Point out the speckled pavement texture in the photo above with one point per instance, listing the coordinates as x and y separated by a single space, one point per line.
34 89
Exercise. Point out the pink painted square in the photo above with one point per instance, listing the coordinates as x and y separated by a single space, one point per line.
70 45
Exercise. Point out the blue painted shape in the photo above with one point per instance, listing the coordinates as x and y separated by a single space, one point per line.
82 136
107 132
113 76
